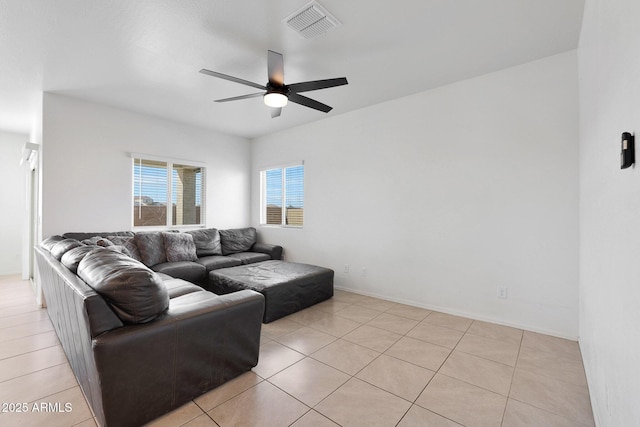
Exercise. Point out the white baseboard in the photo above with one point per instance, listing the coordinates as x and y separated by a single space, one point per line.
461 313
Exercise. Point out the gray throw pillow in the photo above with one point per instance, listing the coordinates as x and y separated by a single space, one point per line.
179 247
207 242
151 248
98 241
135 293
237 240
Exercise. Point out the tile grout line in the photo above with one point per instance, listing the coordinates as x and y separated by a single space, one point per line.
27 352
539 375
515 366
205 412
40 370
28 335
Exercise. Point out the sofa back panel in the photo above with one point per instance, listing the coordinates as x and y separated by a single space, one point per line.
129 243
207 242
237 240
83 236
151 248
69 302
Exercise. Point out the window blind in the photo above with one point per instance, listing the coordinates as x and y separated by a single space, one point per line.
283 196
294 195
149 193
167 193
274 196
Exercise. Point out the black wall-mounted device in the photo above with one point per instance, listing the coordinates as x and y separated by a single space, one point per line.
627 154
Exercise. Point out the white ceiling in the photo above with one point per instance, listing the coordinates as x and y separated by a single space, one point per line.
144 55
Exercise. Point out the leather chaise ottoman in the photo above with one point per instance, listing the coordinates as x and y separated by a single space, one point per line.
287 286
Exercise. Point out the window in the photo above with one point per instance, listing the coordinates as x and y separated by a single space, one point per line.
155 181
283 196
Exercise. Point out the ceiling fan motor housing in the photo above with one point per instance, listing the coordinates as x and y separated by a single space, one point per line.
276 96
283 90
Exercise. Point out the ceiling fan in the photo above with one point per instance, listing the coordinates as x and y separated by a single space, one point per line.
277 93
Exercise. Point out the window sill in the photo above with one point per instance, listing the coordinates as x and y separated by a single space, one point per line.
167 228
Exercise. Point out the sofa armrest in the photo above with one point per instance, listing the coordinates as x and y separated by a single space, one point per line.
201 341
274 251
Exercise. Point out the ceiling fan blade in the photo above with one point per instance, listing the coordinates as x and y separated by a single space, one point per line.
308 102
317 84
275 112
236 98
275 65
232 79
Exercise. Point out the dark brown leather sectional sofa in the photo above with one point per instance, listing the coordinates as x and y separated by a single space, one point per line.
142 343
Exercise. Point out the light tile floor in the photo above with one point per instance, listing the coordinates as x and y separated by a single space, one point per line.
350 361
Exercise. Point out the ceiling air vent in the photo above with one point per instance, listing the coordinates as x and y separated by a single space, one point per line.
311 21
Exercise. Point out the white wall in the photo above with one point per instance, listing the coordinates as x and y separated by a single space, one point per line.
609 69
12 202
444 195
87 169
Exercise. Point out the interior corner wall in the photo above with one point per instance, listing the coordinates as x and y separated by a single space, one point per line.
12 202
609 70
87 171
438 198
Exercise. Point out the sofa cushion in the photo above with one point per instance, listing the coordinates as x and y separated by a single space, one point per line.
163 276
50 242
179 287
179 247
63 246
134 292
237 240
151 248
250 257
215 262
207 242
187 270
71 259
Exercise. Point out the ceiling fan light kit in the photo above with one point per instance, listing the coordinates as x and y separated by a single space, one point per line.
275 99
277 94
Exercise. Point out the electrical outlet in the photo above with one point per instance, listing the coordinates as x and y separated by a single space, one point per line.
346 268
502 292
364 271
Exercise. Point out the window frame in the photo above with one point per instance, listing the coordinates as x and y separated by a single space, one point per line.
170 164
263 194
